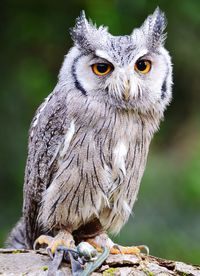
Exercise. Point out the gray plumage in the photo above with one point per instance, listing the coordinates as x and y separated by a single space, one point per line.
89 140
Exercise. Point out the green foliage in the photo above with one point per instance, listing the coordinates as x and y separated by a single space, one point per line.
34 39
110 271
44 268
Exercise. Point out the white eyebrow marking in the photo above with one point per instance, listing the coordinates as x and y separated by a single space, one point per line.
103 55
140 54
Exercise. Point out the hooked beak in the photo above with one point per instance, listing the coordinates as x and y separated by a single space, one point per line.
126 93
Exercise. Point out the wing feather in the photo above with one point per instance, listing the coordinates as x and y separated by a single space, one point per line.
45 139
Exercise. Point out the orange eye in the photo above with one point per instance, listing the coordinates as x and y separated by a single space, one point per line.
143 66
101 69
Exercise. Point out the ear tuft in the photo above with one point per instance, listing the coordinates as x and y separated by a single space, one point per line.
154 27
159 25
86 35
77 33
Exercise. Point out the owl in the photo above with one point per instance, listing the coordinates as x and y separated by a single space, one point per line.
89 140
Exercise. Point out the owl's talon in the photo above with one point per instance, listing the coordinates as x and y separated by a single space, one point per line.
133 250
103 240
42 240
145 248
63 238
116 246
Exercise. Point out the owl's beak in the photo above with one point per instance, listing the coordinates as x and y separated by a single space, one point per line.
126 93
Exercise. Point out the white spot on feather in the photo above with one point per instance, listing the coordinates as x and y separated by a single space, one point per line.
127 208
120 152
36 119
40 111
68 137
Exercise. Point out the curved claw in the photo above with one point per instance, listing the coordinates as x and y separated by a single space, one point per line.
145 248
103 240
63 238
42 240
117 247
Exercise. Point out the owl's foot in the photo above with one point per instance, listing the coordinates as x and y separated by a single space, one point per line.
103 240
63 238
133 250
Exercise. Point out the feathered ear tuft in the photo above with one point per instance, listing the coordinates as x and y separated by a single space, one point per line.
81 28
154 27
85 35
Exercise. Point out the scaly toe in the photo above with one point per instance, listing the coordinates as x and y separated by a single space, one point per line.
118 249
103 240
133 250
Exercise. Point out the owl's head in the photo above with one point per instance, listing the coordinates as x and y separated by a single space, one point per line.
129 72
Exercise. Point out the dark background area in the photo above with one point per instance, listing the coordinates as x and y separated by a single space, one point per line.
34 38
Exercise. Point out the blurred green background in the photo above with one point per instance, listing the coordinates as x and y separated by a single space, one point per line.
34 38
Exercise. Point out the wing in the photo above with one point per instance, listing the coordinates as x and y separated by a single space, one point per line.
45 138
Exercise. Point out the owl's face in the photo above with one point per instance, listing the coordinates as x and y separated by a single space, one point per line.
129 72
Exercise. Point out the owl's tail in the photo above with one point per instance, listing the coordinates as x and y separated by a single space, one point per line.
16 238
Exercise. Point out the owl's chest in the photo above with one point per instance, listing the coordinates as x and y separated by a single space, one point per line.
104 151
120 162
100 165
110 151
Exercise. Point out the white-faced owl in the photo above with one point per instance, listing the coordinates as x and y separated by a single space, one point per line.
89 140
